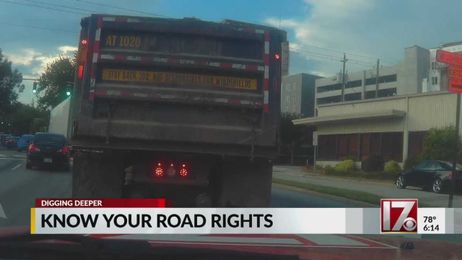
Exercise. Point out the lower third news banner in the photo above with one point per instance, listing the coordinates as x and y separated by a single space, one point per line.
150 216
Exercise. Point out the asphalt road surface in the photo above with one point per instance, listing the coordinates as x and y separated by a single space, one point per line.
19 187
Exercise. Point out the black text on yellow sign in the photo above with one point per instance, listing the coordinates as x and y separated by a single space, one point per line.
179 79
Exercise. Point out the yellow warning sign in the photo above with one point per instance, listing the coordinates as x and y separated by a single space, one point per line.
179 79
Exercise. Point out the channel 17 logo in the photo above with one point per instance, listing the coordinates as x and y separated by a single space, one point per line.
398 215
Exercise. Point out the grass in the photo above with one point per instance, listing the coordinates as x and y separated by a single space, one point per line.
354 174
345 193
339 192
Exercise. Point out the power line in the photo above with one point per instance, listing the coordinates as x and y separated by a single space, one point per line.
60 6
334 58
349 53
42 7
120 8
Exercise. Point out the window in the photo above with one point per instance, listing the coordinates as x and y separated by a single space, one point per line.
361 146
433 65
329 88
434 80
392 146
423 165
353 96
370 94
353 84
416 140
328 100
387 92
382 79
327 147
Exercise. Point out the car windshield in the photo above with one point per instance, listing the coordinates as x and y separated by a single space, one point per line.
317 129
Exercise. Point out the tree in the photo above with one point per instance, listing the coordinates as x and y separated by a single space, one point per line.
440 144
26 119
290 135
54 82
10 84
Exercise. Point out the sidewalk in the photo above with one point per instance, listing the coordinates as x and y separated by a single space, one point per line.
384 189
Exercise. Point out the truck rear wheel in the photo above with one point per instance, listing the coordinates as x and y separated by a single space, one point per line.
97 176
244 183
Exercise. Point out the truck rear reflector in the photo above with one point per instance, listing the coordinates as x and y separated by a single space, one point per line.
183 172
80 72
158 170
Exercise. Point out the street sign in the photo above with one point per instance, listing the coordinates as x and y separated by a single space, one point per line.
454 62
315 138
449 58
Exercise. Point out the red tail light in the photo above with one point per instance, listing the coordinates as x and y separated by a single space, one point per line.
33 148
80 72
64 150
158 170
183 172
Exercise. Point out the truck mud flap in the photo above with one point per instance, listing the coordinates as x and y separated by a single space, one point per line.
97 176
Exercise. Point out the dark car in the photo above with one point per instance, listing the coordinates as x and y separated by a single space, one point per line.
430 174
24 142
11 141
48 149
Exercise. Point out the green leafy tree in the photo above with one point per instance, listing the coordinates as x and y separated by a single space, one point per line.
54 82
440 144
10 85
290 136
27 119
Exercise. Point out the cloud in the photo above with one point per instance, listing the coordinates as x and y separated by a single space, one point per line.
366 30
24 57
33 63
67 50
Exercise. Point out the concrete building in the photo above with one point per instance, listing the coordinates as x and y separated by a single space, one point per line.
393 127
402 79
437 75
297 94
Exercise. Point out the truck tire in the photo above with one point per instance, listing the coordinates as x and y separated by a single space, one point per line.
97 176
243 183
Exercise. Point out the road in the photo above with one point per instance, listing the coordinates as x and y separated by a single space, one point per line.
20 186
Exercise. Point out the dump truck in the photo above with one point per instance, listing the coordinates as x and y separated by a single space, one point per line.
181 109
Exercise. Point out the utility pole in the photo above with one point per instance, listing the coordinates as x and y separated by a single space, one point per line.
377 79
344 60
456 152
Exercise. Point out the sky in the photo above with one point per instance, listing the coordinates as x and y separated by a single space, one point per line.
35 32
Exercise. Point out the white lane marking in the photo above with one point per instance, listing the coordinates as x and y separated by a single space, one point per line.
16 167
11 158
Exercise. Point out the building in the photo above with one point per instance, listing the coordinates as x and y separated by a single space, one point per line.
402 79
393 127
297 94
437 75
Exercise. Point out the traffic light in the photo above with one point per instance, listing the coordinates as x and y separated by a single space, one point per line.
68 90
34 87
